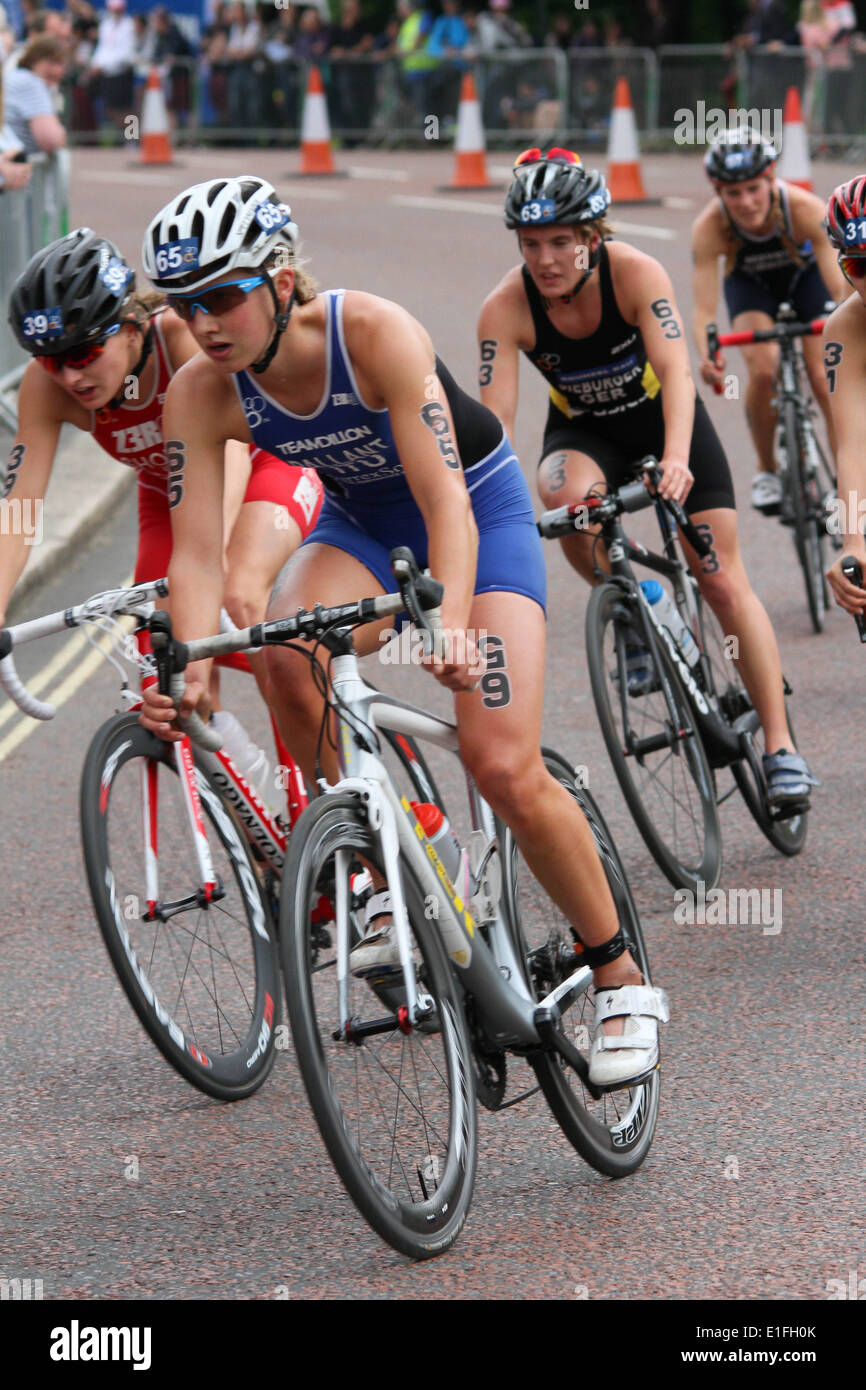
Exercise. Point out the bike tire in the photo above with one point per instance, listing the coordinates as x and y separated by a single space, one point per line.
736 708
411 1176
612 1134
204 982
683 806
810 532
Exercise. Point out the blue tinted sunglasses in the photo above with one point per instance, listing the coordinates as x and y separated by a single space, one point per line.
220 300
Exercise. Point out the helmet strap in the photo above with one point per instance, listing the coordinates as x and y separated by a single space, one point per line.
146 350
594 257
281 323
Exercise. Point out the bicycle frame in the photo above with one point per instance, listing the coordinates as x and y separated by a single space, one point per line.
491 972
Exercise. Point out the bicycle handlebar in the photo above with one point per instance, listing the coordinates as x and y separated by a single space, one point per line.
133 602
854 574
420 596
716 340
631 497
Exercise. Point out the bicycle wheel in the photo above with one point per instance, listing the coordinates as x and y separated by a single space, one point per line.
395 1109
614 1133
807 506
202 977
669 789
736 707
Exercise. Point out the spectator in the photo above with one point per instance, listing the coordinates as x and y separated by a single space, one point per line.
280 35
654 25
449 34
561 33
449 37
613 34
173 51
767 23
244 85
313 36
353 83
589 35
496 29
13 173
417 64
113 60
29 102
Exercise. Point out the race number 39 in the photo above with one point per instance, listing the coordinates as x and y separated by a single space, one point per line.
495 685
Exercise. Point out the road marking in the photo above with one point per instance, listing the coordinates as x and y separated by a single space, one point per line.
59 697
363 171
674 202
410 200
643 229
146 176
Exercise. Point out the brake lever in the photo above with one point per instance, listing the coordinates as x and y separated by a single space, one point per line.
854 574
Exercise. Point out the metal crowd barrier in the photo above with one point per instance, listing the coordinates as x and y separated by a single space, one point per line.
525 93
29 218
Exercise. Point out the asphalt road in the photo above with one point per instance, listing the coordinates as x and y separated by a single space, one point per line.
753 1187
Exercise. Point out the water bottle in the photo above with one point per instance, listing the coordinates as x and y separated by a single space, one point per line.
249 760
438 830
668 615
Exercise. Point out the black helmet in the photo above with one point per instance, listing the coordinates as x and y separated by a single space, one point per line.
554 187
70 293
739 155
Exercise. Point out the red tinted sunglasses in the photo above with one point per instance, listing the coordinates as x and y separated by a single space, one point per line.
853 267
534 155
78 357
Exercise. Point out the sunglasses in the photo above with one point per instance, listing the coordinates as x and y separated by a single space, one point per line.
534 155
78 357
220 300
853 267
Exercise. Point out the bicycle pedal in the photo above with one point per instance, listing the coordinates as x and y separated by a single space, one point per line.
789 811
630 1085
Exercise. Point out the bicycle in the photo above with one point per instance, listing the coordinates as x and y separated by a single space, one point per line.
667 736
808 480
487 965
183 861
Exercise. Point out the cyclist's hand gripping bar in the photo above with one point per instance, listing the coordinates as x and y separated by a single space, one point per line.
172 658
854 574
422 596
713 351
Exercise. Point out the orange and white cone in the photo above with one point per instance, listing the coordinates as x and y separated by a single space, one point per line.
317 156
155 143
623 174
794 165
470 167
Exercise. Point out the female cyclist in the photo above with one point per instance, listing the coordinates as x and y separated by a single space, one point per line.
350 383
609 341
845 366
103 360
770 235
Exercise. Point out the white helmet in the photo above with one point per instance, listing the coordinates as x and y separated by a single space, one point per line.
212 228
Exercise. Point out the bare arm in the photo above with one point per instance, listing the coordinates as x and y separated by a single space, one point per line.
238 467
706 250
499 365
399 359
661 328
48 133
807 219
845 366
29 469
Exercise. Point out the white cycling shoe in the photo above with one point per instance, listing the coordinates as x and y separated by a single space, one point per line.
630 1057
767 493
377 953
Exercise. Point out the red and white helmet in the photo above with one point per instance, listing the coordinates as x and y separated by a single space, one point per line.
846 217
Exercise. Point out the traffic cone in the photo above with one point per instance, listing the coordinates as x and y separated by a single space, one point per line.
317 157
155 143
794 166
470 167
623 174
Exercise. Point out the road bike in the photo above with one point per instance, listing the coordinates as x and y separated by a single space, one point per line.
671 731
808 479
183 860
392 1063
